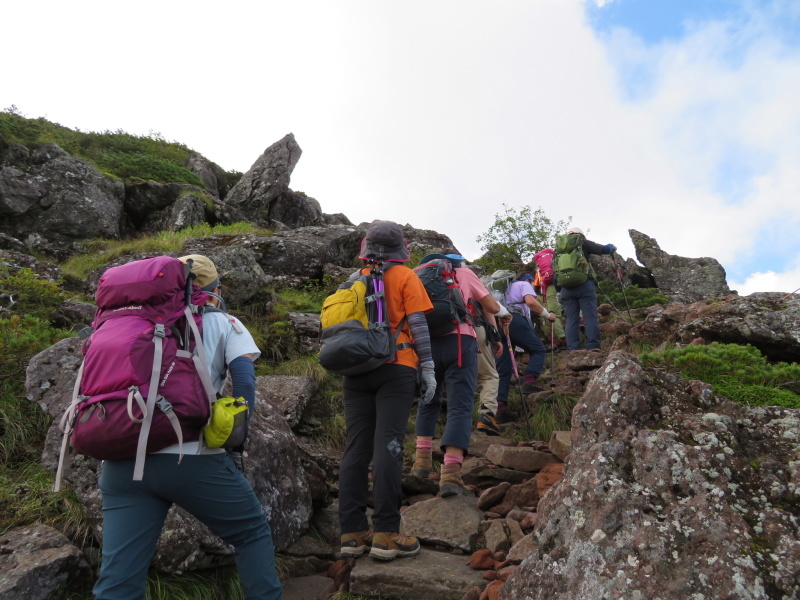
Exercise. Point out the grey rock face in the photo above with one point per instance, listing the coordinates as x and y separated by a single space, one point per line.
681 279
39 563
273 465
60 197
670 492
153 206
254 196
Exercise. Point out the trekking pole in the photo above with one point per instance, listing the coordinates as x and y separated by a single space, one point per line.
552 357
790 293
622 286
519 382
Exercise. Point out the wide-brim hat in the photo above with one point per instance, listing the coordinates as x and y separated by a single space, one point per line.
455 259
385 242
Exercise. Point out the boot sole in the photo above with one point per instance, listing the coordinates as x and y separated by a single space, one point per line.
391 554
352 552
449 489
488 430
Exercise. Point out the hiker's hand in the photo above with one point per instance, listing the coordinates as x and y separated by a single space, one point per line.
505 320
551 317
428 386
609 249
498 349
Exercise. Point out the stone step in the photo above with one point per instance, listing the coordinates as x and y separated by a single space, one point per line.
431 574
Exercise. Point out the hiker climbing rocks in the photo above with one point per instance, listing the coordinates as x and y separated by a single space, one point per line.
377 406
520 301
455 356
205 481
490 348
576 278
544 283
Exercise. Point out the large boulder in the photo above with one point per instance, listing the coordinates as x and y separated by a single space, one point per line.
60 197
264 190
680 279
152 206
670 492
273 466
39 563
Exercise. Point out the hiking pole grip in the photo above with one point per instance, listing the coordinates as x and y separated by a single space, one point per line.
190 277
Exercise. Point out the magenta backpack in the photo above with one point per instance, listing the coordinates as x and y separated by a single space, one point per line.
144 383
544 261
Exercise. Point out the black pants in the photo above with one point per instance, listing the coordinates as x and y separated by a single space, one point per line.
377 406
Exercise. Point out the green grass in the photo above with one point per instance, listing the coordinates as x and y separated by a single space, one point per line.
546 417
738 372
101 252
633 296
116 154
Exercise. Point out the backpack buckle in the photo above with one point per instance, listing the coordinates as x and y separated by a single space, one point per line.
160 331
163 404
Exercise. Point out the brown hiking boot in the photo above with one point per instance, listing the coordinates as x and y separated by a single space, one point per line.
355 544
450 483
388 546
487 424
423 463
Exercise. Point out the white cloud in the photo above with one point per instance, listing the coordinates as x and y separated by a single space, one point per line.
436 114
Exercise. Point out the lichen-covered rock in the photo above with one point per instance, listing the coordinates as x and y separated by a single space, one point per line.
670 492
681 279
39 563
273 466
59 197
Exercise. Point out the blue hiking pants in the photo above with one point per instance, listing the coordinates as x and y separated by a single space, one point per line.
577 301
522 335
211 488
460 382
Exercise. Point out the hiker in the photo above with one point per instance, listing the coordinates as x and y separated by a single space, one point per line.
520 301
490 348
455 356
582 300
545 285
377 406
206 481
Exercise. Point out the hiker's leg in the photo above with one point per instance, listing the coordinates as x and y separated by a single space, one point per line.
554 307
572 313
461 382
488 379
132 521
211 488
588 303
360 415
523 335
393 400
504 371
427 414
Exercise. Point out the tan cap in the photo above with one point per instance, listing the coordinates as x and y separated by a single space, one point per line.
204 269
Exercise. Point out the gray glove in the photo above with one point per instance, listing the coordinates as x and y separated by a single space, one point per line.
428 383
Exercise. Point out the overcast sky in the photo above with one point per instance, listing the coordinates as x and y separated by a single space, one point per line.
677 118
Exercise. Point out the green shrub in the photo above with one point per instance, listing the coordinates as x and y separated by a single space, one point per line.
637 297
738 372
33 296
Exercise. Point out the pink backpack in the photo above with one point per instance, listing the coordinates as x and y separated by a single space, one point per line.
144 383
544 260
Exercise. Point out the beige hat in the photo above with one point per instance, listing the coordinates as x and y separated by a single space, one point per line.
577 230
204 269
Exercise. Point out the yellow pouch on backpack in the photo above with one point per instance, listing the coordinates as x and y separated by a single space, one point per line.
227 427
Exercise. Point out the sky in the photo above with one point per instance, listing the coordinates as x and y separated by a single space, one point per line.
677 118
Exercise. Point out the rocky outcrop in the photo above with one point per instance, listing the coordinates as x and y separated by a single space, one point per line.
39 563
61 198
185 544
153 207
670 492
681 279
262 195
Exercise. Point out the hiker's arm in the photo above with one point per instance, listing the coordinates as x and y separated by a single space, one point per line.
243 378
590 247
422 337
491 305
538 309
